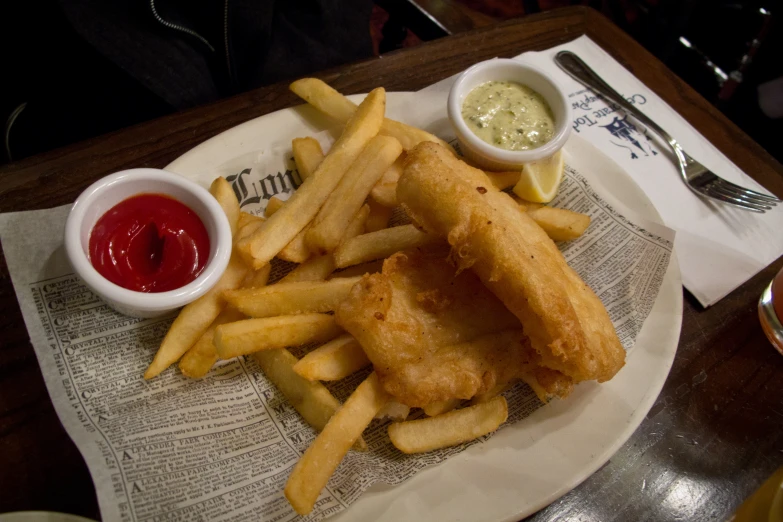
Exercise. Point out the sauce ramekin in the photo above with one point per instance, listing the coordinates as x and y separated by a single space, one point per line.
489 156
105 194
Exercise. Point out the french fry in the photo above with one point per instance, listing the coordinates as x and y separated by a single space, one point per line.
316 268
378 218
440 407
394 410
247 224
253 335
333 361
194 319
197 361
349 195
324 98
383 243
449 429
273 205
297 250
560 224
409 136
303 205
248 228
357 224
290 298
245 218
335 105
225 196
371 267
385 191
384 194
503 180
312 472
311 399
257 278
307 155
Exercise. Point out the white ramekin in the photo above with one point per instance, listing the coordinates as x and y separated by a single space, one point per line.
107 192
488 156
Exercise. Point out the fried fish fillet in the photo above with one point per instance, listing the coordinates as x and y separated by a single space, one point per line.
567 324
434 335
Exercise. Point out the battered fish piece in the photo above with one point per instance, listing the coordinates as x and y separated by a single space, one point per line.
567 324
434 335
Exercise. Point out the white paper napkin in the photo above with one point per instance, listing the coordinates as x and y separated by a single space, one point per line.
719 247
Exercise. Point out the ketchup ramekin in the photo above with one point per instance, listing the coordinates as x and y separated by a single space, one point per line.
105 194
489 156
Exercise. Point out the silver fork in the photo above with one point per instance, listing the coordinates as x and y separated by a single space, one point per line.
696 176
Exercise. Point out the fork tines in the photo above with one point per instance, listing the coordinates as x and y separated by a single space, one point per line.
729 192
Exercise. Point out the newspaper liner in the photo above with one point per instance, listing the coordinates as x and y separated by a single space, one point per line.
221 448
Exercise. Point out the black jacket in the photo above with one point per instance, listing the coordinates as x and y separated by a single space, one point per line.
189 52
86 67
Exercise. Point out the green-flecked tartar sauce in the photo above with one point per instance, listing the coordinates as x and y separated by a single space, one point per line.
509 115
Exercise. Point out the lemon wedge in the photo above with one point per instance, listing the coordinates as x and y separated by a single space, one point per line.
541 179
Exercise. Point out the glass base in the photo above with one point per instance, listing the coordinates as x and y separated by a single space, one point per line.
769 320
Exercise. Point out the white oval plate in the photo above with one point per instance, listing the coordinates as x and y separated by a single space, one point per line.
531 463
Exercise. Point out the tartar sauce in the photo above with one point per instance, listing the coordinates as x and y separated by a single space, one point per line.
509 115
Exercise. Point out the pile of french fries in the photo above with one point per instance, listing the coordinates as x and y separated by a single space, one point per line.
336 227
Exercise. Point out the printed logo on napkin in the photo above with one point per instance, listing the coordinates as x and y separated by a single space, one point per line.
604 115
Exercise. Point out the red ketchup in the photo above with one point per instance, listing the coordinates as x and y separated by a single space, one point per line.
149 243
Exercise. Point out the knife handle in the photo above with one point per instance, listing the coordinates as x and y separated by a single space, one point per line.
581 72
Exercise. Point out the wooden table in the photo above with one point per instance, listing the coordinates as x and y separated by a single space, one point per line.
712 437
